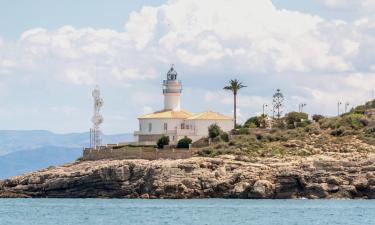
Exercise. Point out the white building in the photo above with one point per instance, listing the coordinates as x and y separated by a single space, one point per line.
174 122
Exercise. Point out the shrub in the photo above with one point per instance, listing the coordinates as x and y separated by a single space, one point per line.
338 132
279 123
184 142
234 132
348 121
317 117
365 122
256 121
313 129
163 140
358 110
244 131
304 123
293 118
238 126
225 136
352 120
206 152
203 142
214 130
370 130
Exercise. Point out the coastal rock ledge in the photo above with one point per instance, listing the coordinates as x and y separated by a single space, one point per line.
352 176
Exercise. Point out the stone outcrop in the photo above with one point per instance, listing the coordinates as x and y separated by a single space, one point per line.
349 176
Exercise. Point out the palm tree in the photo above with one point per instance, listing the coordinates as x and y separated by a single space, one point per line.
234 86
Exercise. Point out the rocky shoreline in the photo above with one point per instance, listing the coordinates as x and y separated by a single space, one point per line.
322 176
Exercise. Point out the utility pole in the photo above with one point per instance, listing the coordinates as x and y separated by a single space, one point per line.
264 106
338 107
346 107
300 107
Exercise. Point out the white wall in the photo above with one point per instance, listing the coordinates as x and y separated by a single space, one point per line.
201 126
158 125
172 102
199 130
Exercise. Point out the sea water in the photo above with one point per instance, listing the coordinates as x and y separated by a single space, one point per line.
189 212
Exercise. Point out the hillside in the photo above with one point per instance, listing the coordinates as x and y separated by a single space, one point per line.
353 132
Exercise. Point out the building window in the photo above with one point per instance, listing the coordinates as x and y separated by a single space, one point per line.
140 127
149 127
165 126
182 126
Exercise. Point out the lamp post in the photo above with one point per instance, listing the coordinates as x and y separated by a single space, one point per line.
346 107
300 107
338 107
263 107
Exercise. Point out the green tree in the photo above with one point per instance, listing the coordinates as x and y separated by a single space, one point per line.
317 117
296 119
234 86
256 121
214 130
278 103
163 140
184 142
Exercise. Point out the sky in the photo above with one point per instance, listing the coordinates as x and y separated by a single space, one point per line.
53 53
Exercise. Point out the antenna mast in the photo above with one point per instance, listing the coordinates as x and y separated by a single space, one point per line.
97 119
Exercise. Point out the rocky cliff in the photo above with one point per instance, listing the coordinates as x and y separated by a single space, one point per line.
346 176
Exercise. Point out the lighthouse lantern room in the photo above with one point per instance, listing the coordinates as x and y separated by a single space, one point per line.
172 89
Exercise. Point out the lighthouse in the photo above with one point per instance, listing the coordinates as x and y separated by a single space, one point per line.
174 122
172 89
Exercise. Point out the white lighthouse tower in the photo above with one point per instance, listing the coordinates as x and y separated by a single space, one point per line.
172 89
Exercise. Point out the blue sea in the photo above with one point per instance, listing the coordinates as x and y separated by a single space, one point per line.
189 212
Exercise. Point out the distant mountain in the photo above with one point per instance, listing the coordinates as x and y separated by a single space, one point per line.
13 140
20 162
25 151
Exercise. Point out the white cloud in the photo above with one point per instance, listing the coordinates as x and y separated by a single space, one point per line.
363 5
249 36
141 35
317 60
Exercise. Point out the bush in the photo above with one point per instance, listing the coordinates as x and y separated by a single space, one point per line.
370 130
163 140
338 132
293 118
313 129
206 152
234 132
238 126
359 110
279 123
353 121
317 117
256 121
304 123
214 130
348 121
244 131
225 136
365 122
184 142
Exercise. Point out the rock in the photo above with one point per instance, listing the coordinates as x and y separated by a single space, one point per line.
360 183
334 180
240 189
262 189
316 191
224 177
